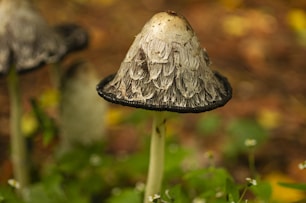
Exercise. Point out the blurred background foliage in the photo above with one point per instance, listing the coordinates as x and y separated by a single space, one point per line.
259 45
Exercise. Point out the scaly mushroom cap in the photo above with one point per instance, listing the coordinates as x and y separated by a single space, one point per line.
26 40
166 69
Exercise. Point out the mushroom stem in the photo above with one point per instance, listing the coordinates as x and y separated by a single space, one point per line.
156 164
18 144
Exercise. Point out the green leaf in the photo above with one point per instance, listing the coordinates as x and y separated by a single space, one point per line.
297 186
262 190
53 190
48 191
175 154
68 163
176 194
46 123
209 123
232 190
126 196
239 131
7 195
209 183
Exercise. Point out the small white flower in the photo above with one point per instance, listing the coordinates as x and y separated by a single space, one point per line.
219 194
14 183
251 181
302 165
154 197
250 142
167 193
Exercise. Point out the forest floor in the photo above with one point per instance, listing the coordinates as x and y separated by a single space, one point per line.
260 46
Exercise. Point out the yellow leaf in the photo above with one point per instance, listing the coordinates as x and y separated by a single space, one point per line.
230 4
235 25
297 19
29 124
114 117
282 194
49 98
269 118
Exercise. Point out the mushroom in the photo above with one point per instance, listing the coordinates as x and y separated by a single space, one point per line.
26 43
165 69
76 89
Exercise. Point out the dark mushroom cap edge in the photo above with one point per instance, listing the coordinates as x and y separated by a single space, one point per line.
136 104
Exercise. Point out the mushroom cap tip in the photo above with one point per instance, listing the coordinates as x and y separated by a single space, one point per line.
167 25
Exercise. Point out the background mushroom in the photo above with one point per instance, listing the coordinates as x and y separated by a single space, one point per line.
80 117
27 42
165 69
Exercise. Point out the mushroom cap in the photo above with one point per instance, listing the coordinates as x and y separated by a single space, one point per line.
26 40
166 69
75 37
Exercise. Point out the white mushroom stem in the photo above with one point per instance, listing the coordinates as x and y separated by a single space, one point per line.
18 145
157 151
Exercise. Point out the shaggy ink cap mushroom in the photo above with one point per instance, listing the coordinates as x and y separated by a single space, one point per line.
27 41
166 69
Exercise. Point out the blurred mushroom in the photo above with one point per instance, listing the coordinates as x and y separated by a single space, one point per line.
75 39
26 43
165 69
76 89
74 36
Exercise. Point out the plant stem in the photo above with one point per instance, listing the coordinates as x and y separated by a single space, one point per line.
243 194
157 151
251 159
18 145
